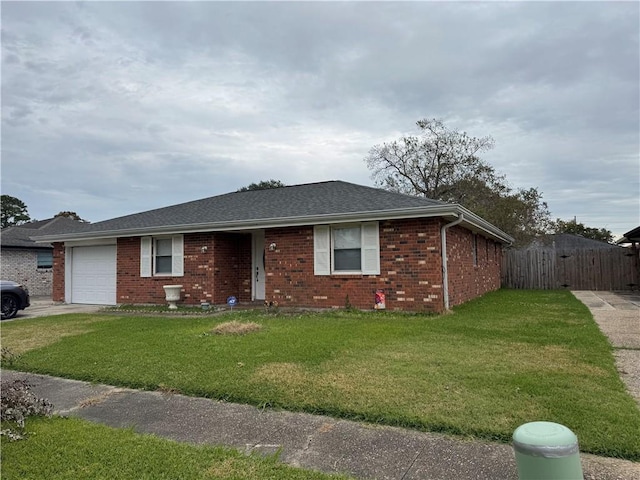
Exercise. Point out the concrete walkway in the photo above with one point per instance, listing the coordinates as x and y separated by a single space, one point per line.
44 307
308 441
618 316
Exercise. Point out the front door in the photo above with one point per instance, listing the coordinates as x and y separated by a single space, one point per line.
257 239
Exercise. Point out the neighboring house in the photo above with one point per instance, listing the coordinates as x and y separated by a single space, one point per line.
567 241
327 244
27 262
632 236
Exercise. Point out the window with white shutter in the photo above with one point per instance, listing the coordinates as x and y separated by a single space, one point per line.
347 249
370 249
177 256
321 250
145 256
162 256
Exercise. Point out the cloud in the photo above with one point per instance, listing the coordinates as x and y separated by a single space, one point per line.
126 106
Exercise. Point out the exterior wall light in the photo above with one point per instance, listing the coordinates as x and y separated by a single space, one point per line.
272 247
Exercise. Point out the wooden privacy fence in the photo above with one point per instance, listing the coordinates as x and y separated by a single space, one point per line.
576 269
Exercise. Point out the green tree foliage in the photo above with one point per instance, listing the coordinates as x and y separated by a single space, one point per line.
444 164
71 215
14 211
262 185
575 228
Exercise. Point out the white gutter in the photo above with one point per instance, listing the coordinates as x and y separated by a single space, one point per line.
445 271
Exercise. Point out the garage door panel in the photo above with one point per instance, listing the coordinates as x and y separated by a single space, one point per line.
93 275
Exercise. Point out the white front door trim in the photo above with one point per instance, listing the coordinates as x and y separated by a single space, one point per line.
258 276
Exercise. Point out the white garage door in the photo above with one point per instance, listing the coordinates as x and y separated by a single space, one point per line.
93 275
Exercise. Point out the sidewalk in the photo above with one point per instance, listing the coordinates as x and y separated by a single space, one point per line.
618 316
307 441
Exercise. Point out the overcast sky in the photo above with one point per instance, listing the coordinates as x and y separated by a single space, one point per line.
115 108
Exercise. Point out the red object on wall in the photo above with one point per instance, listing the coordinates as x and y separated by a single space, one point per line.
380 303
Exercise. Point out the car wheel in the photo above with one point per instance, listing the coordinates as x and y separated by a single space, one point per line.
9 306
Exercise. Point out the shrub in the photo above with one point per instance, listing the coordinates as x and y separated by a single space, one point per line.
7 357
271 306
17 403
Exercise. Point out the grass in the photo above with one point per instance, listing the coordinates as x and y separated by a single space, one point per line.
505 359
64 448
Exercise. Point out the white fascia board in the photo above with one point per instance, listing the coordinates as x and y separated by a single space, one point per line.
92 242
448 210
481 224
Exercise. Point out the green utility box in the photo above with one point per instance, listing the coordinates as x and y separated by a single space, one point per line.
546 451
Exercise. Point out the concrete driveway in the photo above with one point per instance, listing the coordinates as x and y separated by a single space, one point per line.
618 316
44 306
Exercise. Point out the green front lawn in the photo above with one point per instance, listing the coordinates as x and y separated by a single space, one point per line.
505 359
66 448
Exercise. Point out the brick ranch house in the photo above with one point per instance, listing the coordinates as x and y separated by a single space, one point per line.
309 245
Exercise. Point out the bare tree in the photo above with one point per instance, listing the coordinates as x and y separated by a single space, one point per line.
434 164
444 164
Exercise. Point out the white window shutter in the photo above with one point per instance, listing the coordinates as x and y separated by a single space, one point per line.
370 249
177 256
145 257
321 250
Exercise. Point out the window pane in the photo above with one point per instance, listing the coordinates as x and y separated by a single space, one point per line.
163 264
163 247
347 259
45 259
346 237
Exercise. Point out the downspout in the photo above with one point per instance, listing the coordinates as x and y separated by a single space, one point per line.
445 271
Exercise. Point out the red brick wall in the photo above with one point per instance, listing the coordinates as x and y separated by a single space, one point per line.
410 270
466 280
232 267
223 269
57 294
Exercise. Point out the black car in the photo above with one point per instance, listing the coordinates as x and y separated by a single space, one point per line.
14 298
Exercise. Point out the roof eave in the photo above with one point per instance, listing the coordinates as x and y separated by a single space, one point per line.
471 219
447 210
43 246
631 236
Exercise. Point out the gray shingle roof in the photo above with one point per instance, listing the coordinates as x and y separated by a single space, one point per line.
20 236
297 204
562 241
632 235
325 198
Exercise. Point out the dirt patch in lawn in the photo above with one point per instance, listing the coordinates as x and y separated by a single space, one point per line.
546 358
38 335
280 373
236 328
